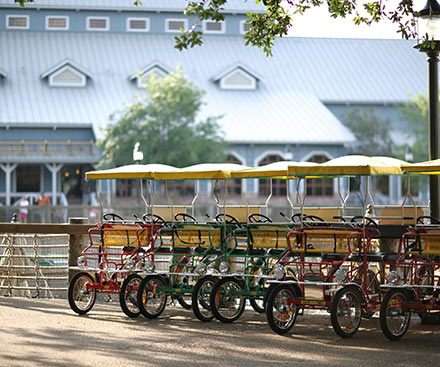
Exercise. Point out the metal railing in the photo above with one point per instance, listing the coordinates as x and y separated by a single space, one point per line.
47 147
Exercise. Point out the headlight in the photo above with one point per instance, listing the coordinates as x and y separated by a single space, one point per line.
223 267
201 268
341 275
211 269
278 272
149 266
82 261
393 277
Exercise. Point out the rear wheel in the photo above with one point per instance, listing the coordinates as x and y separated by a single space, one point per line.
128 295
281 313
151 299
227 301
346 311
81 296
201 298
394 316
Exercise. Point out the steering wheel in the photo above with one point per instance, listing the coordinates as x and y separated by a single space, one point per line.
432 220
370 221
114 217
259 218
296 218
156 219
313 218
229 218
183 217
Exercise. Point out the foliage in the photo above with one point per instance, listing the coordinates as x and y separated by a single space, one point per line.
372 133
163 121
279 16
415 113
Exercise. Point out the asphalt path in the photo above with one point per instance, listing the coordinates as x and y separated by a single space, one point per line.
48 333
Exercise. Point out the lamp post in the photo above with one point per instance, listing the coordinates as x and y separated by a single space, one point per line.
428 29
137 157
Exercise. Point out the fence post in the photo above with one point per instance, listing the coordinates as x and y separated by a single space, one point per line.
76 245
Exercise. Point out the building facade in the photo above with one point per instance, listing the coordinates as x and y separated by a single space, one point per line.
67 66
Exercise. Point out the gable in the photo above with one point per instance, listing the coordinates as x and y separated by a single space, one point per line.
66 74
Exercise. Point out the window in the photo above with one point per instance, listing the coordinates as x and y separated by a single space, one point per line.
319 186
214 27
174 25
278 186
17 22
244 26
57 23
98 23
28 178
127 188
138 24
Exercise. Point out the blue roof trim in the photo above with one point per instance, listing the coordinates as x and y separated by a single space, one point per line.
62 64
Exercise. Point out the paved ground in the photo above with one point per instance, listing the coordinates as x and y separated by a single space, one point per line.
47 333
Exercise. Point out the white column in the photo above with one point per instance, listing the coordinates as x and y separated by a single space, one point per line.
8 168
54 168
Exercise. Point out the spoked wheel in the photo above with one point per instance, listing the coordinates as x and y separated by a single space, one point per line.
81 299
257 304
201 297
394 317
151 299
186 299
346 311
227 301
281 313
128 295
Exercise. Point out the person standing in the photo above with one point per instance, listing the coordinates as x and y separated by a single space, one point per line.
43 202
23 209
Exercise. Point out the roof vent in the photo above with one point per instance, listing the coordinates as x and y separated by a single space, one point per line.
238 76
142 76
67 74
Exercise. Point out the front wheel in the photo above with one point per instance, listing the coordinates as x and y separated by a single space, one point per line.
151 299
281 312
346 311
80 294
227 301
394 315
201 297
128 295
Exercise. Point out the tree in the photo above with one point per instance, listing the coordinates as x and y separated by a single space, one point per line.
415 113
372 133
279 16
163 121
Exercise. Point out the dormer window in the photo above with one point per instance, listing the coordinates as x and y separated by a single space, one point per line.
57 23
237 76
213 27
138 24
142 76
174 25
17 21
66 74
98 23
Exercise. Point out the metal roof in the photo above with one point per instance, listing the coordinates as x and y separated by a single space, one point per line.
287 105
233 6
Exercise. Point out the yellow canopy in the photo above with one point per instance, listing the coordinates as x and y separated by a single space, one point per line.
130 171
274 170
428 167
350 165
201 171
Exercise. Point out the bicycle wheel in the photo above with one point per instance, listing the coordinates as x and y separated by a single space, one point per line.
281 313
201 296
81 299
226 301
346 311
151 299
128 295
394 316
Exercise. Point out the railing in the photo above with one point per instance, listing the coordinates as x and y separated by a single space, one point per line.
34 258
47 147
